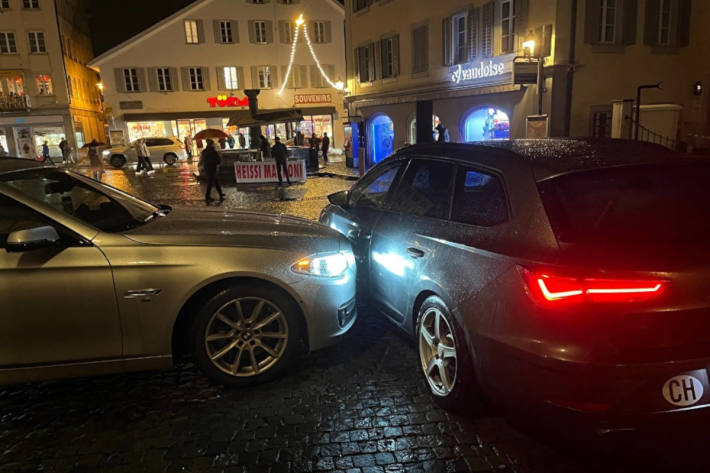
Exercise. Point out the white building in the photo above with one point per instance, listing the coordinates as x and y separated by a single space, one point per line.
189 71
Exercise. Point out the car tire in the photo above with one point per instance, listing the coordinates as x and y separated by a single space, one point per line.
170 159
118 161
444 357
219 326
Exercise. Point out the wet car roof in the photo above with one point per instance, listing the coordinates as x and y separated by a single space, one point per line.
553 156
18 164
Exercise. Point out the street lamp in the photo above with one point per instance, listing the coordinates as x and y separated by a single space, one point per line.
529 48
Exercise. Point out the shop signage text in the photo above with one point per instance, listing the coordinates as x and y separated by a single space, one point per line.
497 70
263 172
300 99
224 101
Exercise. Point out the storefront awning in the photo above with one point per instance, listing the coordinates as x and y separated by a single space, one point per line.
243 118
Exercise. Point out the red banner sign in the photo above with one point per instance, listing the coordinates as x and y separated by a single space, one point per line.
224 101
301 99
264 172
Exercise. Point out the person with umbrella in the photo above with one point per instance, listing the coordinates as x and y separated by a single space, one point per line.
211 160
144 165
97 167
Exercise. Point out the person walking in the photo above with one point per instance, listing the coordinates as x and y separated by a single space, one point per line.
66 150
313 142
188 146
299 139
211 160
231 141
144 165
280 154
96 166
45 153
325 146
443 134
242 141
264 147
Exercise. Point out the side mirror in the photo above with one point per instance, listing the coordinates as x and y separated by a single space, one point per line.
32 239
340 199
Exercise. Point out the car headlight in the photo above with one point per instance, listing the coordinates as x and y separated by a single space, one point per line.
329 265
106 152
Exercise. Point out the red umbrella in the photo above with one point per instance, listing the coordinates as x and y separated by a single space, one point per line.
211 133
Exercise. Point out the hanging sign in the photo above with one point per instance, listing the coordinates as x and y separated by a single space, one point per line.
224 101
265 171
489 71
302 99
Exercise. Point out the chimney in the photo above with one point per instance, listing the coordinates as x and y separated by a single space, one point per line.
253 94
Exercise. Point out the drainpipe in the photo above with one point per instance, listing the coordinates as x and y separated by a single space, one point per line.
571 62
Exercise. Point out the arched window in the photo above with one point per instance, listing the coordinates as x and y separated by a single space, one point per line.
413 129
486 123
381 138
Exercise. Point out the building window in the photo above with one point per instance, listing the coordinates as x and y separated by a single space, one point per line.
230 78
319 32
420 49
196 81
70 87
7 43
507 25
30 3
5 4
607 21
191 32
458 40
44 85
288 32
225 31
365 62
130 79
260 32
664 23
361 4
387 47
263 74
37 44
165 83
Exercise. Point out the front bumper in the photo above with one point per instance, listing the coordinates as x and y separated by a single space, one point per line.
606 395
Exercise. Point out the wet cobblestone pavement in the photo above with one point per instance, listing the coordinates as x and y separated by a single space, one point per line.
357 407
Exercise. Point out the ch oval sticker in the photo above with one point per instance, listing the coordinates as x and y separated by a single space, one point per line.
683 391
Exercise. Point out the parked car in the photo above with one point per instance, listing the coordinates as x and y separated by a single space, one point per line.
95 280
167 149
565 273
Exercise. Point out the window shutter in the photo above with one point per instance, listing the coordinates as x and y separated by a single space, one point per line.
330 70
377 60
153 79
269 31
240 78
206 78
120 81
487 29
328 32
220 78
446 41
650 27
629 19
315 77
252 35
185 78
254 77
200 31
522 8
682 36
283 74
395 56
173 79
474 21
302 82
274 70
235 30
591 21
372 63
140 74
283 25
217 31
356 56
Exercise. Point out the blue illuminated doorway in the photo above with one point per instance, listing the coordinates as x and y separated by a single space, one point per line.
381 139
486 123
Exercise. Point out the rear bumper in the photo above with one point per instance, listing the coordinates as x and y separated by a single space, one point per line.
606 395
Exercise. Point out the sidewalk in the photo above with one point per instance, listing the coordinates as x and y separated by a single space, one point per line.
338 169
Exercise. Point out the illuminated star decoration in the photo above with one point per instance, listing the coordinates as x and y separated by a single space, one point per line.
300 22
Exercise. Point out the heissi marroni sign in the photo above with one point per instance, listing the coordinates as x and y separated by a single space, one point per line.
488 71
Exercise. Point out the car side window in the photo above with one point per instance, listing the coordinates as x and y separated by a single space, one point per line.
479 198
425 189
373 190
162 142
151 142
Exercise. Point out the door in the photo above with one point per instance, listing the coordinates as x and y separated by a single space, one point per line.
58 303
366 203
405 238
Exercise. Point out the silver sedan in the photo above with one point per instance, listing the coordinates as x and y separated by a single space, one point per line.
93 280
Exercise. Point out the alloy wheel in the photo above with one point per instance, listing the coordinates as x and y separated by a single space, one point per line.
246 336
437 351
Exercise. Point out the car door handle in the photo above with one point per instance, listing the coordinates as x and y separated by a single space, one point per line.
141 293
415 252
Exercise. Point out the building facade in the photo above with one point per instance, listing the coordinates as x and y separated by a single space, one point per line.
46 90
189 71
472 66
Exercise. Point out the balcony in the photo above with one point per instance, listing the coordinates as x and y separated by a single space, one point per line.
14 103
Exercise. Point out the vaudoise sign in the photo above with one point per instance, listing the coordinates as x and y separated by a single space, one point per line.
489 71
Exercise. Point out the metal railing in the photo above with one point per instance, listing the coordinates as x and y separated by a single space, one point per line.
646 134
14 102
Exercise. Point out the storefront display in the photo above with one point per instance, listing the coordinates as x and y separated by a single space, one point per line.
487 123
52 135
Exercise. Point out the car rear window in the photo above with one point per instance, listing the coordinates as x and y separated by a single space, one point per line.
645 205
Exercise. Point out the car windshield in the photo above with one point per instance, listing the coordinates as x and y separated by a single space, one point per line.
97 204
648 205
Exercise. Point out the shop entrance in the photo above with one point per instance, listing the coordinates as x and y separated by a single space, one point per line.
381 138
413 129
486 123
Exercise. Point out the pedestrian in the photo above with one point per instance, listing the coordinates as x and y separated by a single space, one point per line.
65 149
313 142
188 146
280 154
265 148
299 139
231 141
144 165
242 141
45 153
325 146
223 143
97 167
211 159
443 134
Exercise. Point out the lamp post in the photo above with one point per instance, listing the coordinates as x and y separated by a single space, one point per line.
529 52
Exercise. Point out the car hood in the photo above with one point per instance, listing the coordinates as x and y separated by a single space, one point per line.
216 227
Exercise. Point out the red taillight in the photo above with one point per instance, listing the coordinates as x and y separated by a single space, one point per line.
549 288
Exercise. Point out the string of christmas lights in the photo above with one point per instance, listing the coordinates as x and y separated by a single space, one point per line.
299 22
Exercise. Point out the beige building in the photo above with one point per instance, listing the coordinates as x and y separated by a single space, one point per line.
189 71
465 64
46 90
